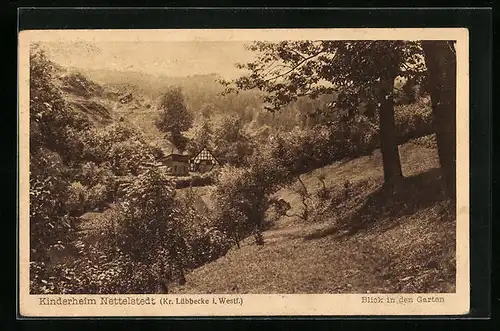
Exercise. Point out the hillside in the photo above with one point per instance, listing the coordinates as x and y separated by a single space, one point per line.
407 245
143 119
103 104
198 89
86 97
142 92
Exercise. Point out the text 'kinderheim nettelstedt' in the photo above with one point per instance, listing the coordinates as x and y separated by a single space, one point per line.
139 301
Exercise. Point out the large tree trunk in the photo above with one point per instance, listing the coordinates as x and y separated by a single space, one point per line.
441 68
388 137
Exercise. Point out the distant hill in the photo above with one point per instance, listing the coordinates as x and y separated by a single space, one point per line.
198 90
151 86
104 104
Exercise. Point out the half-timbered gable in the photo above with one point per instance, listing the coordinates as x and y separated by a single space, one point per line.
204 161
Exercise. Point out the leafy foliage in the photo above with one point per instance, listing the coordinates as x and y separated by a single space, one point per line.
52 123
48 225
232 145
361 73
174 117
288 70
243 195
202 135
205 179
73 169
121 147
54 143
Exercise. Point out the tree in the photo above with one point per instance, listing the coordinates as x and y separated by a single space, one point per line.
440 59
53 124
152 229
122 147
55 145
232 145
202 135
243 196
174 117
359 71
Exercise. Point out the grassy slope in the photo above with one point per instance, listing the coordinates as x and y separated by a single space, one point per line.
371 242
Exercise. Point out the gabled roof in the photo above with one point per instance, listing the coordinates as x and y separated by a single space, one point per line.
205 155
177 157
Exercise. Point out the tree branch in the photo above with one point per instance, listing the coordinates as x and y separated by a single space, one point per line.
294 67
268 69
299 54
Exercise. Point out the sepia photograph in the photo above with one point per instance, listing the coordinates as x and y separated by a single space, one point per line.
225 172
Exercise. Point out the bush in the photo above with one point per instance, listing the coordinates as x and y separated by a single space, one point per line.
100 181
204 240
243 195
82 198
302 150
123 149
414 120
77 199
96 272
136 244
428 141
205 179
48 192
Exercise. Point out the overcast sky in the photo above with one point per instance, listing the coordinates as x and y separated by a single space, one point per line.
160 58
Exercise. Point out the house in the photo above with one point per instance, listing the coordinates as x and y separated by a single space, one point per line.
178 164
204 161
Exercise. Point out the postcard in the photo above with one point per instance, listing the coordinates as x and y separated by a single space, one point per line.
243 172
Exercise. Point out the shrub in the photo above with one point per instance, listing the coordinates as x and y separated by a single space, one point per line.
302 150
414 120
77 199
428 141
243 196
204 240
48 192
96 272
208 178
122 148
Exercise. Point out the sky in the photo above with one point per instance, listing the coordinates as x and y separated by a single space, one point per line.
158 58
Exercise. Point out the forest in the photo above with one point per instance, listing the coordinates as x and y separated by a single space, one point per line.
320 140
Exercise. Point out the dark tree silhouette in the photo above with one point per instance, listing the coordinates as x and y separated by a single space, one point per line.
441 62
